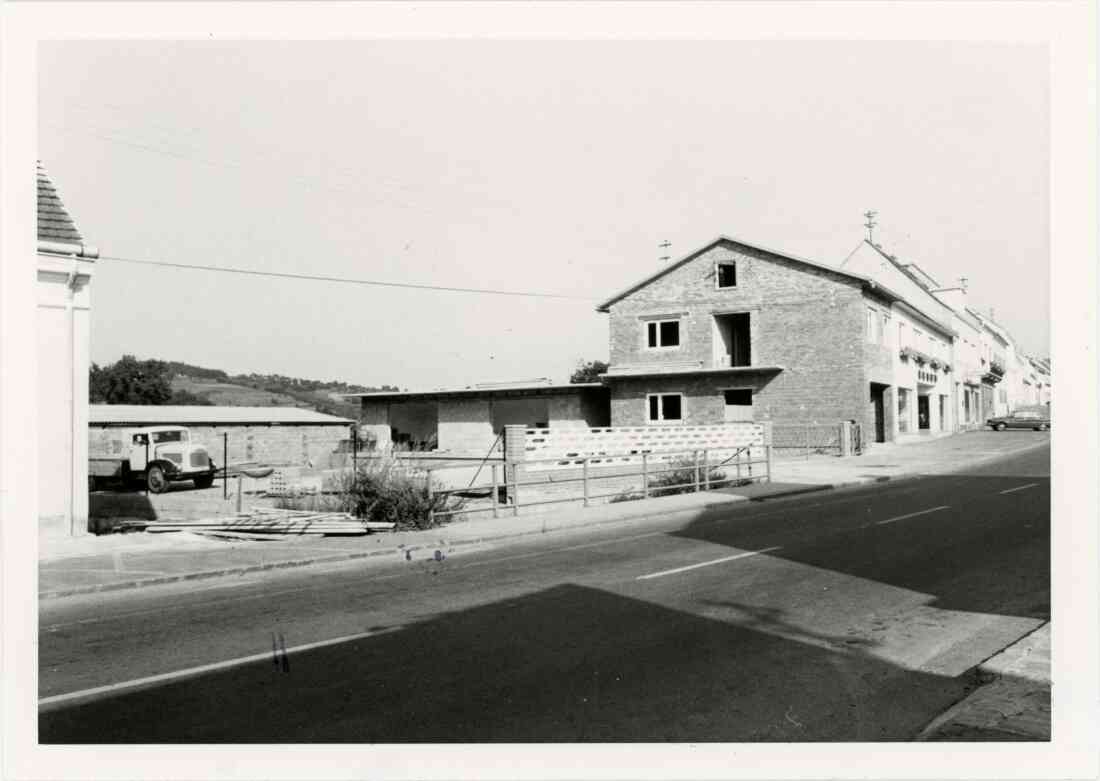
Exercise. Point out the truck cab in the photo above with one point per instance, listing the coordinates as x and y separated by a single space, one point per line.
165 454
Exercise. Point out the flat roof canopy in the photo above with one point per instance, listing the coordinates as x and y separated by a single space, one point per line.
517 391
178 415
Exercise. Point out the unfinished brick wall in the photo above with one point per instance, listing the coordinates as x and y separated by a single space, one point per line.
808 321
465 426
277 445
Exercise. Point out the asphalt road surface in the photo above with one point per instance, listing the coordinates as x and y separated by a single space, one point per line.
853 615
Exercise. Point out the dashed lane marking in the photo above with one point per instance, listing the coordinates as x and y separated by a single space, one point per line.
1018 488
913 515
722 560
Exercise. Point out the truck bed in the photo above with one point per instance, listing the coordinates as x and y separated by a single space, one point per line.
105 466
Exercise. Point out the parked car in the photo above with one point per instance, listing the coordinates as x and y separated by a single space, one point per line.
1031 419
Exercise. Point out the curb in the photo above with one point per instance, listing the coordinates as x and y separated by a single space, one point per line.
985 679
647 513
395 551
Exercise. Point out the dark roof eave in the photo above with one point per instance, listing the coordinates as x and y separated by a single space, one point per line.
689 372
467 393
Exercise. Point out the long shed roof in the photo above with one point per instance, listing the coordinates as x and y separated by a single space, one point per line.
150 415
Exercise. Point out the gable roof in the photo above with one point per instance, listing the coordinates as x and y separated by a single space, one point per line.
54 222
724 239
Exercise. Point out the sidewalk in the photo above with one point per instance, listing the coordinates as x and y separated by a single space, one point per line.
89 564
1013 706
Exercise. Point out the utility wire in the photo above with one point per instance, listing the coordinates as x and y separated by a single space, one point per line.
345 280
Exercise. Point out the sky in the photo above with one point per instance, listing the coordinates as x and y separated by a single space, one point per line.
550 167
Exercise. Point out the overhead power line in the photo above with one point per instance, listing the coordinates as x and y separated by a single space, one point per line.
346 280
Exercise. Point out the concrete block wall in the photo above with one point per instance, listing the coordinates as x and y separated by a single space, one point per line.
465 425
295 445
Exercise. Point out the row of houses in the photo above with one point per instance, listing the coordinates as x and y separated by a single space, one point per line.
735 331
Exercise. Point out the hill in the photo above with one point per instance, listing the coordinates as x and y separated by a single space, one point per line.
266 390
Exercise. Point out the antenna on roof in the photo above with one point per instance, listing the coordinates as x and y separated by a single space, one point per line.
962 283
665 245
870 225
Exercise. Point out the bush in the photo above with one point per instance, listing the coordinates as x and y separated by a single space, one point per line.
681 478
382 490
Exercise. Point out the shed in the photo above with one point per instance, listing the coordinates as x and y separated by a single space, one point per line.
270 435
468 421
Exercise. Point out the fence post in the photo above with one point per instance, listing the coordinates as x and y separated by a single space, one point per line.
706 469
738 458
845 438
431 497
240 491
645 475
496 493
513 491
768 456
584 480
515 453
695 458
225 465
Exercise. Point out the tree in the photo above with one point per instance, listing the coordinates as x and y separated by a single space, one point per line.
588 371
130 381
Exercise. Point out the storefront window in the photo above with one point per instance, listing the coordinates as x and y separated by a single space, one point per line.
903 410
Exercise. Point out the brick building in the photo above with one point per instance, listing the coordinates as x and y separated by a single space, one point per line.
736 331
278 436
468 421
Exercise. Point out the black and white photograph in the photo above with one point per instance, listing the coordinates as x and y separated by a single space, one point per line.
468 395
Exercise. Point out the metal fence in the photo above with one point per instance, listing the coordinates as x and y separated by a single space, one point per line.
689 471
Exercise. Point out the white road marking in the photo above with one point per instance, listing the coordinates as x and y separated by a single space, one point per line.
913 515
1018 488
347 563
706 563
205 668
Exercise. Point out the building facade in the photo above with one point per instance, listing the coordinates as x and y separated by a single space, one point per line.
736 331
469 421
65 268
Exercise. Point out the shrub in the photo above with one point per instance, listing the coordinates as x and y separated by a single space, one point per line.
680 479
382 490
627 495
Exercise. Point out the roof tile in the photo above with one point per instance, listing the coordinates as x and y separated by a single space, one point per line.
54 223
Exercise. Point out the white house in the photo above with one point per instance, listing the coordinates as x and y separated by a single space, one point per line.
922 339
64 269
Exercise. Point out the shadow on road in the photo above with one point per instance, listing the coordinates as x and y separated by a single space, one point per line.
975 556
564 664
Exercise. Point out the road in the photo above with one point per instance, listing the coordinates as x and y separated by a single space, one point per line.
852 615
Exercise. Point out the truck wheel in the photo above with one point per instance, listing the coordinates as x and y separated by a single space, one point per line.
1043 427
155 480
204 481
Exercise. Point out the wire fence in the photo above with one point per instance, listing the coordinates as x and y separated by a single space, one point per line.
656 474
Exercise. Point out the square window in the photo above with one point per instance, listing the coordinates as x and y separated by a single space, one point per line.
727 275
662 333
665 407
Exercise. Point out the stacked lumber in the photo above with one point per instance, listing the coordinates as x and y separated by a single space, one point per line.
270 523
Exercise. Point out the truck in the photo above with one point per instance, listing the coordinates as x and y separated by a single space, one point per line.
153 456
